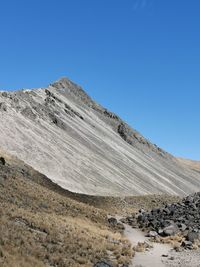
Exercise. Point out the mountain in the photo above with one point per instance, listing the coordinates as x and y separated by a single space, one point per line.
192 164
62 133
42 224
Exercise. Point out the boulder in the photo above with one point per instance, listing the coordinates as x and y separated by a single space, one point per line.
2 161
112 221
192 236
170 230
187 244
4 94
103 264
182 227
152 234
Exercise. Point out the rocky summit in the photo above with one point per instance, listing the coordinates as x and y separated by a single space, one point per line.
61 132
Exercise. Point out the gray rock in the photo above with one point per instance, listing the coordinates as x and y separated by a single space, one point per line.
170 230
112 221
160 231
103 264
4 94
141 211
140 218
2 161
152 234
181 217
182 227
192 236
3 106
187 244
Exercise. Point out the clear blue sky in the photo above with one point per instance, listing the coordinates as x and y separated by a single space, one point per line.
139 58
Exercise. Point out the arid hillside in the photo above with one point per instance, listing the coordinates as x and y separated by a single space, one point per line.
41 225
61 132
192 164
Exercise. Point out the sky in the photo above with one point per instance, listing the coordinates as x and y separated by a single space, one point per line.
138 58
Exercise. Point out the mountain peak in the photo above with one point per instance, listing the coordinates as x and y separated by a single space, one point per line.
63 82
74 89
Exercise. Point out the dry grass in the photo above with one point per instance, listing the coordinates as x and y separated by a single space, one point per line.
142 247
174 240
127 205
192 164
42 225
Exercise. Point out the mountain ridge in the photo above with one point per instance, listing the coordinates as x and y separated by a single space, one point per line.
61 132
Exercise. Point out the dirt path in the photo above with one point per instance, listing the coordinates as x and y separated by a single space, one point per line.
153 257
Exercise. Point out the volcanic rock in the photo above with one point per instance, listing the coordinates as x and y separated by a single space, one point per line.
182 217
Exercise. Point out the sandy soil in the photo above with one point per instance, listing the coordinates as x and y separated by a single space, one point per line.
151 258
184 259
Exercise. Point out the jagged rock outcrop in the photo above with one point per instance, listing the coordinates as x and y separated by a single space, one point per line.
61 132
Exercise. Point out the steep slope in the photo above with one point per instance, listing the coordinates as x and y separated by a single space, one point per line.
61 132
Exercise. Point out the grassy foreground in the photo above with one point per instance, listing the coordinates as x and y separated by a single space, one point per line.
42 224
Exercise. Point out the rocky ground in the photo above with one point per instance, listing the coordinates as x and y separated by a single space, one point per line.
179 221
181 218
184 259
176 224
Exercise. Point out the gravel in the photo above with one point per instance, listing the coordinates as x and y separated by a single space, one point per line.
184 259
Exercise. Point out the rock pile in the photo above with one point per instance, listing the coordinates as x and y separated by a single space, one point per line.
182 217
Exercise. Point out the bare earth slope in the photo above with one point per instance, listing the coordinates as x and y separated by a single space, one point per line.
61 132
192 164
